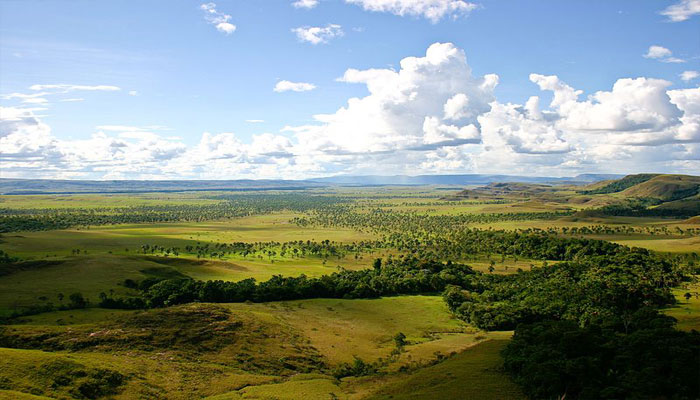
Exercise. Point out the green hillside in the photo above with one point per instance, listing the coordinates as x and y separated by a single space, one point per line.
619 184
665 187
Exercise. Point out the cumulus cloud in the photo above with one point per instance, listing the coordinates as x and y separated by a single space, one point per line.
318 34
406 109
431 114
217 18
432 10
687 76
305 4
633 104
285 86
682 10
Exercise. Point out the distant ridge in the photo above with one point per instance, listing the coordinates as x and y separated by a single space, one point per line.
464 179
50 186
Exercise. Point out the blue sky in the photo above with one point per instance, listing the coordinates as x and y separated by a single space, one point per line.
174 75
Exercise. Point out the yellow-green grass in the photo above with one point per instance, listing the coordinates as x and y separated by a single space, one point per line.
236 269
73 317
686 311
337 328
473 374
149 376
344 329
117 238
93 274
656 243
507 267
87 275
301 387
14 395
62 201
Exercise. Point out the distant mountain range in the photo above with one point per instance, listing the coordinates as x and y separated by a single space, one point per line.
50 186
466 179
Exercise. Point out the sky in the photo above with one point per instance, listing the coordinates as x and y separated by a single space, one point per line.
294 89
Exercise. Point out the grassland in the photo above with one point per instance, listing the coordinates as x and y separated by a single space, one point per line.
159 359
273 350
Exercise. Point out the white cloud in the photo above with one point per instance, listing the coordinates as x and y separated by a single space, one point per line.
433 10
689 75
217 18
70 88
72 100
430 115
133 93
633 104
405 109
318 34
285 86
31 98
662 54
305 4
255 121
524 132
682 10
657 52
48 90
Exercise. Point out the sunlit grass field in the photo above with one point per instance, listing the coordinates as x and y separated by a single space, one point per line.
277 343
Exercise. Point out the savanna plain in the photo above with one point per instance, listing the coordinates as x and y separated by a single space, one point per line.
502 291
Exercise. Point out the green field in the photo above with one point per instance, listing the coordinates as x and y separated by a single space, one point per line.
300 348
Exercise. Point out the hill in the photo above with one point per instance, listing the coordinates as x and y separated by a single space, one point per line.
665 187
618 185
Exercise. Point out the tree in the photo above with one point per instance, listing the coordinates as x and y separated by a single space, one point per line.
77 300
400 341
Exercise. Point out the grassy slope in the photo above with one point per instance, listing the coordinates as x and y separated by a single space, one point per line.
272 337
341 329
473 374
665 187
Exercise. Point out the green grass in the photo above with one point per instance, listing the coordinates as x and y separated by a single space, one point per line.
93 274
313 387
62 201
255 351
341 329
686 311
656 243
472 374
117 238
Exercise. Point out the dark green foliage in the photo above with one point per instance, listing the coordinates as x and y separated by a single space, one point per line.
231 206
84 383
356 368
400 340
77 300
131 284
554 358
405 276
621 184
5 258
610 286
640 208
